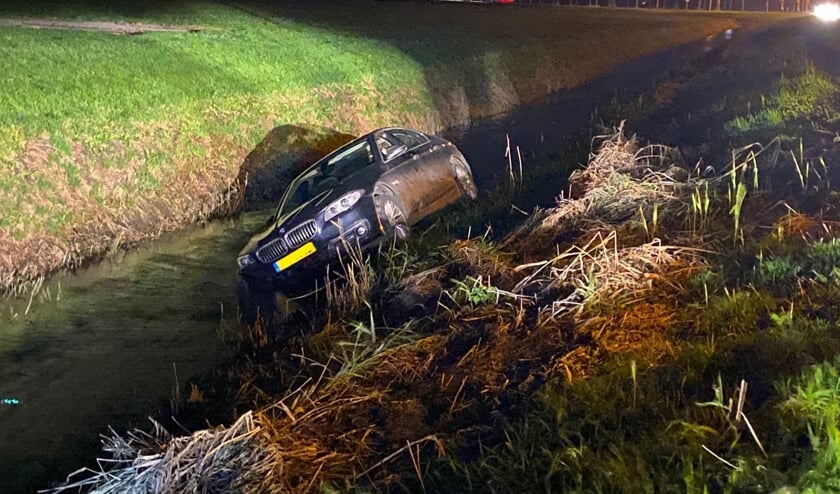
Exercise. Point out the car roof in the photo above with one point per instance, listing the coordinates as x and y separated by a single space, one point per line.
356 140
383 129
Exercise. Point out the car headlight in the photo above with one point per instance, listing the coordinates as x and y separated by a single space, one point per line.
342 204
245 261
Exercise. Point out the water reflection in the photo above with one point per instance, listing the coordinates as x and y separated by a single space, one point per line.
106 345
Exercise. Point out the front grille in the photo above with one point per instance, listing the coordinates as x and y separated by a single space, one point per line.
301 233
272 251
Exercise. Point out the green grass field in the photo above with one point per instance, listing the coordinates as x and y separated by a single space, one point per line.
108 139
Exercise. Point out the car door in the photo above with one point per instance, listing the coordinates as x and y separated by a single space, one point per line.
419 177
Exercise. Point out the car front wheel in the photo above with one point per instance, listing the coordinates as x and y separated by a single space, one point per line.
391 213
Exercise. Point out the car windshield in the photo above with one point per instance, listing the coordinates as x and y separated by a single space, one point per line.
330 172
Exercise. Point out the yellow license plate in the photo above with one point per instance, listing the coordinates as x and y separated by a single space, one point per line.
295 256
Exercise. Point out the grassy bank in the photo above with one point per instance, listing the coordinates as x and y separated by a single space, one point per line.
662 328
724 378
107 139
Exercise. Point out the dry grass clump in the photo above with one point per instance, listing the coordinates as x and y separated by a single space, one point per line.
226 459
646 331
478 257
579 363
794 225
621 177
622 181
616 153
602 273
347 287
346 423
318 435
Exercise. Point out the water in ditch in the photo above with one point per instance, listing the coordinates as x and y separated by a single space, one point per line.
108 345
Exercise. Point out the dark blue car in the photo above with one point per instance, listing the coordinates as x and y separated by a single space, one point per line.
373 188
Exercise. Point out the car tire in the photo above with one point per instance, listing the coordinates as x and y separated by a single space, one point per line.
391 213
463 175
395 218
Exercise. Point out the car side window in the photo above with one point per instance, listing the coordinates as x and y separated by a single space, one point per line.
385 142
409 138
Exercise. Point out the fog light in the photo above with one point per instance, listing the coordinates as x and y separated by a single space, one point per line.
244 261
361 231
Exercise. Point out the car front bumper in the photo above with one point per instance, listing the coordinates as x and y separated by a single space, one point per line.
357 230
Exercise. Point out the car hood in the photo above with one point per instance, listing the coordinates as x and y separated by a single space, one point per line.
311 208
307 210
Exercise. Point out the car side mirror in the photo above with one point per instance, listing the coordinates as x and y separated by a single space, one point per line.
394 151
